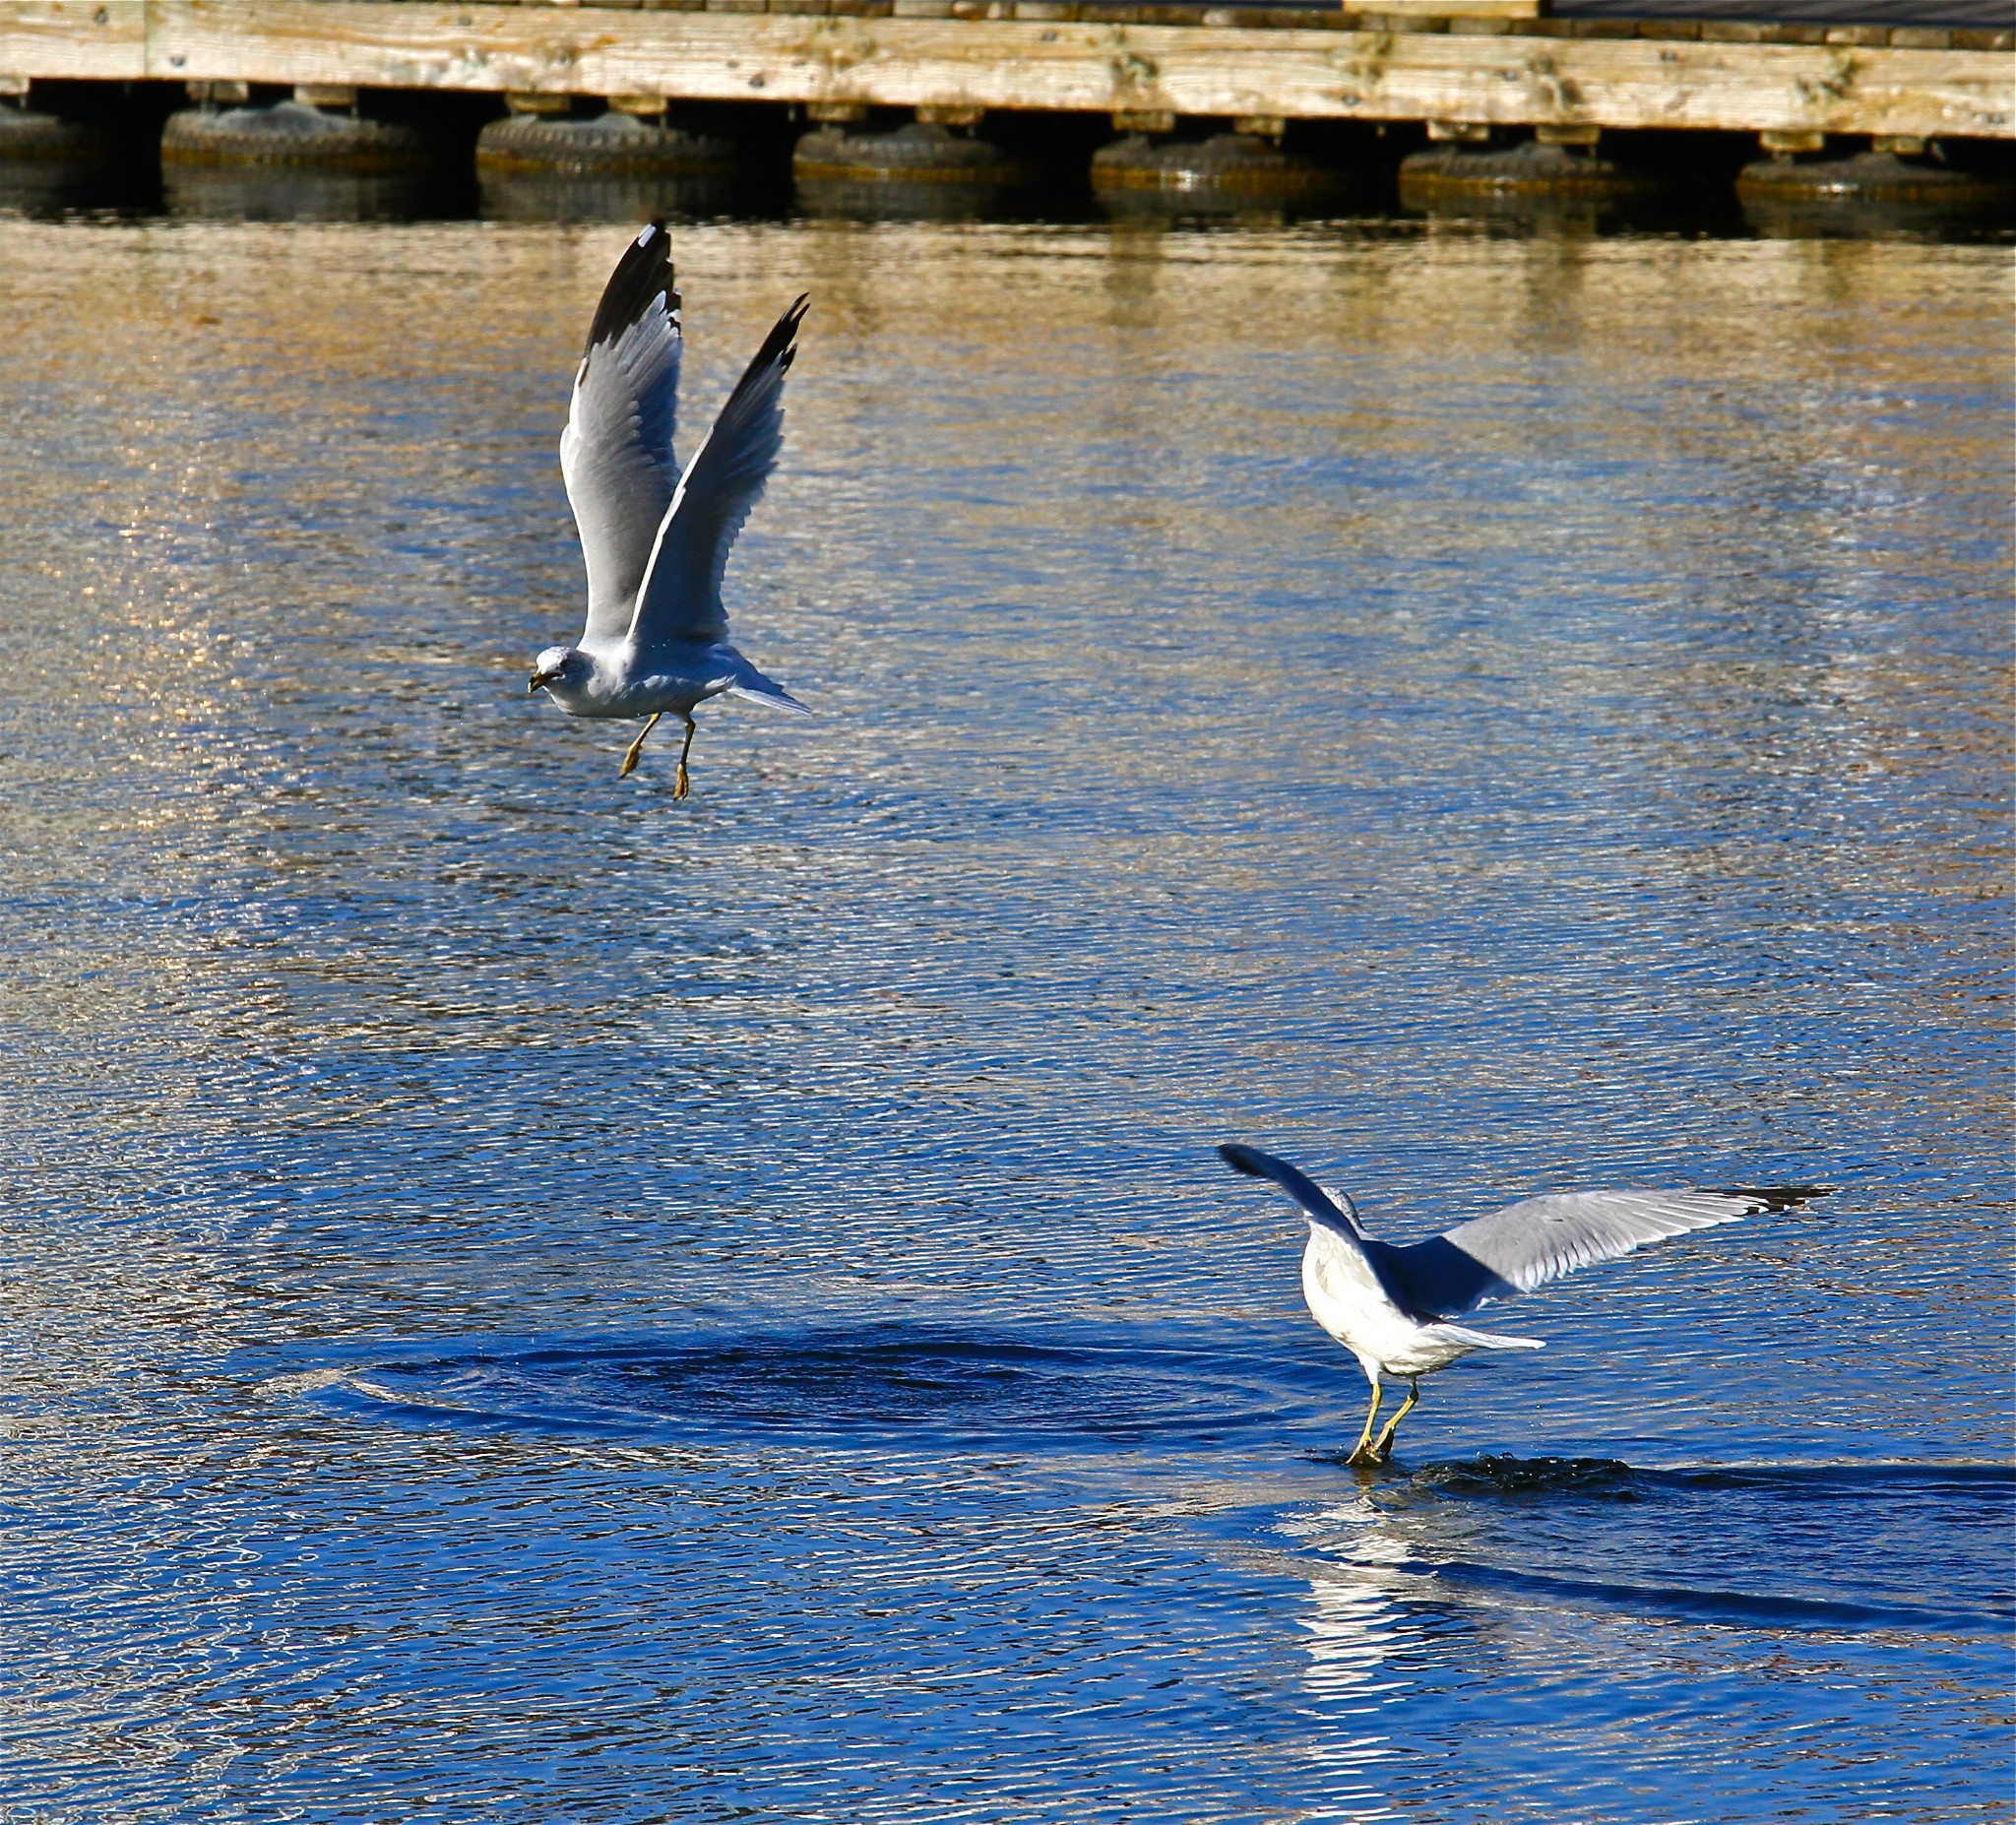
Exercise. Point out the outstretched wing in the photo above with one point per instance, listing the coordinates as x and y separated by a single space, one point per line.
681 595
1363 1257
1319 1205
616 452
1540 1239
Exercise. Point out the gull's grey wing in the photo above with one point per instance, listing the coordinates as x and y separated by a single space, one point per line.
1332 1212
1540 1239
616 452
681 595
1322 1207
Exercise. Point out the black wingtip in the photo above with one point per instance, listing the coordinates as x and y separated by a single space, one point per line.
1242 1160
1773 1197
644 269
777 351
777 346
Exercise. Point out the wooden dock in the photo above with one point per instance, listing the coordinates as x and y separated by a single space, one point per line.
1484 62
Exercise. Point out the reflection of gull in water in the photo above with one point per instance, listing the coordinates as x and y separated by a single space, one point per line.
1358 1621
1353 1630
1360 1636
657 540
1393 1308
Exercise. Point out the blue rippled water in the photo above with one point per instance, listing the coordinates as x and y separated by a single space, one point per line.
529 1301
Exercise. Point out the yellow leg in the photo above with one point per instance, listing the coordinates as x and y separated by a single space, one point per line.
1362 1452
679 784
637 747
1384 1448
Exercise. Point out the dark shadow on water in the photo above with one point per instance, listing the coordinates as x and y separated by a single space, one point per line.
283 193
841 201
892 1384
1739 1608
527 196
49 190
226 194
1609 1479
1449 1513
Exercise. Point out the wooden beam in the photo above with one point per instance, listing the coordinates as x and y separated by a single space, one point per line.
1503 77
106 39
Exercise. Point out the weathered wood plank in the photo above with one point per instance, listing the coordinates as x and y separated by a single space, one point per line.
1511 78
52 38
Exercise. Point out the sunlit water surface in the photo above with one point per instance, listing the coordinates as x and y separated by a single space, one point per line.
532 1302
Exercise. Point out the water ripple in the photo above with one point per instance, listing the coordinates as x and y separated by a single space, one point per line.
918 1388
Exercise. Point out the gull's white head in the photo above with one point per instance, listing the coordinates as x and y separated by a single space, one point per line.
568 667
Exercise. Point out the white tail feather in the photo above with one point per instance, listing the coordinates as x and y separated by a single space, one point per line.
752 684
1483 1340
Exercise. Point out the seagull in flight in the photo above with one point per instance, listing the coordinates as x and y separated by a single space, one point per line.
655 537
1395 1308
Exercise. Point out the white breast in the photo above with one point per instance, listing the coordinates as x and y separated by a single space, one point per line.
1346 1299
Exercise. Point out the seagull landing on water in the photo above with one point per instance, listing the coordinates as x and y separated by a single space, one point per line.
657 539
1395 1308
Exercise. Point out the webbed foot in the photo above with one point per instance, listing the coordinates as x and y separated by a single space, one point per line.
1383 1450
636 748
681 785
